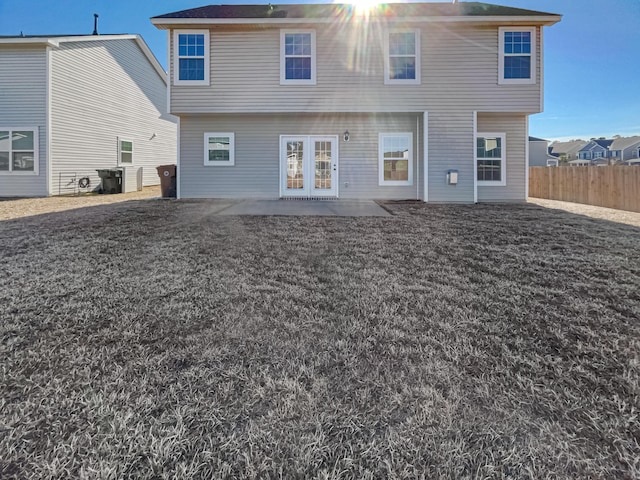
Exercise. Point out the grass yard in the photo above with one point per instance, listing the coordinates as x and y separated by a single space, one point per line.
152 339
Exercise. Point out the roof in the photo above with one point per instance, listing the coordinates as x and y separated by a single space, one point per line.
56 40
600 142
535 139
623 143
567 147
332 11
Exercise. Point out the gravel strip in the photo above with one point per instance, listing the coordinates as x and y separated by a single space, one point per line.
619 216
26 207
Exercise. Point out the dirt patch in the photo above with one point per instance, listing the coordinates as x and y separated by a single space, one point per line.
26 207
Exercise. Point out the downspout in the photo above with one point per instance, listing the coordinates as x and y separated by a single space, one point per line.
474 170
425 150
417 157
47 143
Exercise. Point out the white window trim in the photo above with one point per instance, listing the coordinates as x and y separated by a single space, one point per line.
387 67
36 156
283 70
133 160
381 180
176 58
503 160
232 150
501 55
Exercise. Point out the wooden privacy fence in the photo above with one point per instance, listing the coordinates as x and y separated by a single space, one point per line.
610 186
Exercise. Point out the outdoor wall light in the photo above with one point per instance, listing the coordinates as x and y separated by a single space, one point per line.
346 136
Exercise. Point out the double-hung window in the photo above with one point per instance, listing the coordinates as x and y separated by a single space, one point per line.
402 57
125 152
517 59
297 57
219 149
191 57
18 150
395 162
491 159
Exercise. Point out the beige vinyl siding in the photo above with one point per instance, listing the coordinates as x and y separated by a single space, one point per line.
459 70
103 90
451 148
515 128
23 103
257 153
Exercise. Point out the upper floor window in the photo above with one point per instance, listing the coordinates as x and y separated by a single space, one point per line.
297 57
395 162
517 55
18 150
491 159
402 57
191 57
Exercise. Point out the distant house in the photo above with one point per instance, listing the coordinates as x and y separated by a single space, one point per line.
596 151
70 105
539 155
566 151
625 149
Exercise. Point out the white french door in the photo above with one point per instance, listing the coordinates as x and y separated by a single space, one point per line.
308 166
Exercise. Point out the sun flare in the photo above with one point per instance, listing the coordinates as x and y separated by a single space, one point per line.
364 7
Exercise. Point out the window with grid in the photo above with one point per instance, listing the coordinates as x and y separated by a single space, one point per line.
402 59
395 159
18 151
192 57
297 57
517 55
219 149
490 158
125 152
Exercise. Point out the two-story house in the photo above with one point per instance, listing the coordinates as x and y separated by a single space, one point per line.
625 150
416 100
72 104
596 151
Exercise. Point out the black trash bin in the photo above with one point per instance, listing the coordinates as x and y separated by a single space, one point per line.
111 180
167 174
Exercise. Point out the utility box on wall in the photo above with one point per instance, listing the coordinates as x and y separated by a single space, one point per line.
452 177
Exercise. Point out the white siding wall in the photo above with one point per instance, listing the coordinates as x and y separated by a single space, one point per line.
459 70
257 137
515 127
102 90
538 154
23 100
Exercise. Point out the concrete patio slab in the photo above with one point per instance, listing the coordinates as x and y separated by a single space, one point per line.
339 208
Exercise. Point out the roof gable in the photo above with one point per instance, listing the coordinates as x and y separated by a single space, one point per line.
56 40
624 143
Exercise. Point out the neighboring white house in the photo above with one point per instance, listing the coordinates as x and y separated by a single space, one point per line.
539 155
70 105
393 99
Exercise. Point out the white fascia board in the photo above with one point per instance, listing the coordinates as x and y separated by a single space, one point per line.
27 41
506 20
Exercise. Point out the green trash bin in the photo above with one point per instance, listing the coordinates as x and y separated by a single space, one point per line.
111 180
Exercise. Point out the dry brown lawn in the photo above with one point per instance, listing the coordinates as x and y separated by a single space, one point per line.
154 339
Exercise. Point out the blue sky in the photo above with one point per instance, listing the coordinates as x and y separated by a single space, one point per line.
592 57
